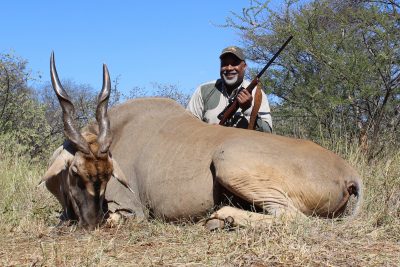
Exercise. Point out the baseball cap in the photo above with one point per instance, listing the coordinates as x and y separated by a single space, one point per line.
233 50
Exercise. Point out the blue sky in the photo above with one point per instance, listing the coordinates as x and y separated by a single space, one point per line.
168 42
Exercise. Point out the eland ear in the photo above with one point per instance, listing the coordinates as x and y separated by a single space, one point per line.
120 176
58 163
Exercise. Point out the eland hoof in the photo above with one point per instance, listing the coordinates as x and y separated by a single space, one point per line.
213 224
114 219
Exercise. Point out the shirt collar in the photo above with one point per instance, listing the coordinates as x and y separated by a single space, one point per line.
233 91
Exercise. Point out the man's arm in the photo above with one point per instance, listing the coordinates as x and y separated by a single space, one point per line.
196 104
264 120
245 99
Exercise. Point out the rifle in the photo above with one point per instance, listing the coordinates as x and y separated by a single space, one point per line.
233 105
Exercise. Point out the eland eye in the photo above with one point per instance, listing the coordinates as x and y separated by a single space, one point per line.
80 183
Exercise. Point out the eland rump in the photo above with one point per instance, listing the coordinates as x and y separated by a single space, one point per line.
174 166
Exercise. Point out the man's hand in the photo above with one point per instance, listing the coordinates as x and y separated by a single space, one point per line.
245 99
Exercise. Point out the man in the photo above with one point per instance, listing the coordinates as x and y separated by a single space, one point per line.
211 98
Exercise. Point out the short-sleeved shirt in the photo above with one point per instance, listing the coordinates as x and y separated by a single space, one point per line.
211 98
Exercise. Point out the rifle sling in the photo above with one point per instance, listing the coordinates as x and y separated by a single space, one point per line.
256 107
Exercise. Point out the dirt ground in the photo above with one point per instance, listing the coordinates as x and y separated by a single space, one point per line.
314 242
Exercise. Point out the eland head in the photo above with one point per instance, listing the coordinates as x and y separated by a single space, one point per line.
80 170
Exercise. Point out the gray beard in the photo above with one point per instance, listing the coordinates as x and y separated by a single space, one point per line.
230 82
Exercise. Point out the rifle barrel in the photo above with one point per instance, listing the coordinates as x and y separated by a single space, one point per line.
274 57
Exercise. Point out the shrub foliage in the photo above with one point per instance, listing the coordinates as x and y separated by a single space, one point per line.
340 75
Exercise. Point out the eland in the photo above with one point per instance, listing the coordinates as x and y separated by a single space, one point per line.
152 158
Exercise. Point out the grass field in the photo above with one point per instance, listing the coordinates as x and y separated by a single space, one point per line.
29 237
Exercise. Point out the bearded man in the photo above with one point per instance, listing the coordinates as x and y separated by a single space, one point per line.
211 98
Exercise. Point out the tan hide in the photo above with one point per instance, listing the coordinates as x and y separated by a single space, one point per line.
181 167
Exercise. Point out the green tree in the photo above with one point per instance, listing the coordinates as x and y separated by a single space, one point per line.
171 91
83 97
23 127
161 90
340 75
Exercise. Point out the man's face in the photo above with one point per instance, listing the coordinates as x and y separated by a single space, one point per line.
232 70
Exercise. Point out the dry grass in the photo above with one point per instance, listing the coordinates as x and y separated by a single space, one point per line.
29 238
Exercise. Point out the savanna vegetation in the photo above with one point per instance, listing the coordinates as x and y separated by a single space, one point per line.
337 83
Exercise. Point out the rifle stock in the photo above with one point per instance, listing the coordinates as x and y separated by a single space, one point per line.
231 109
